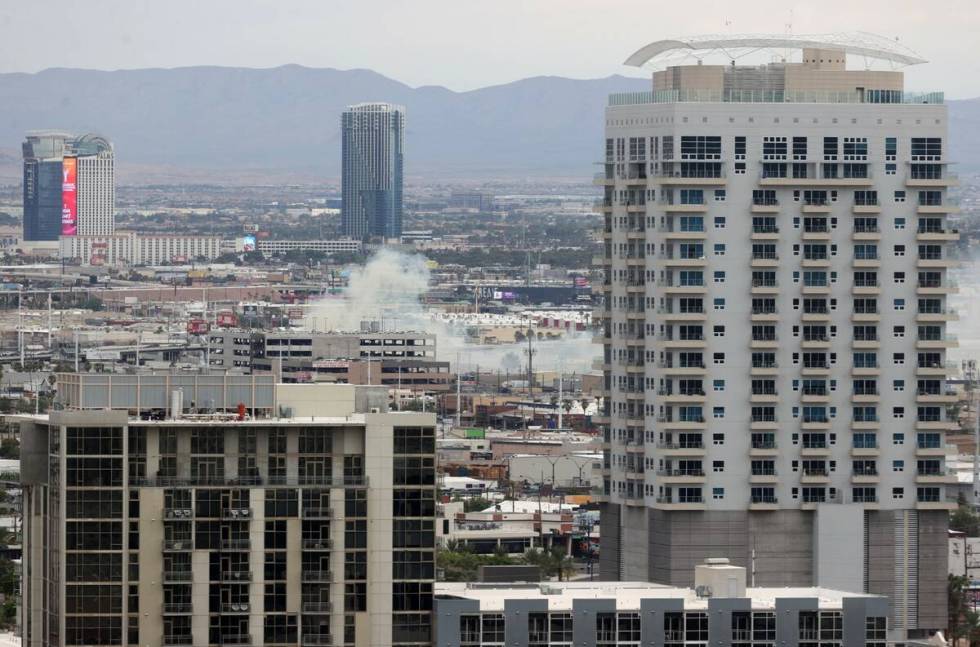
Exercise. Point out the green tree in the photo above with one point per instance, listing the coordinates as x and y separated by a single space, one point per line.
9 448
460 564
476 504
553 562
964 519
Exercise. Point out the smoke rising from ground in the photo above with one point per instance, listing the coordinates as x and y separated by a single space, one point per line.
389 289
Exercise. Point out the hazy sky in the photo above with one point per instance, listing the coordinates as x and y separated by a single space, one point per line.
461 44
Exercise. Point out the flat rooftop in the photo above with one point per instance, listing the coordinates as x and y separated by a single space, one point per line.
628 595
223 421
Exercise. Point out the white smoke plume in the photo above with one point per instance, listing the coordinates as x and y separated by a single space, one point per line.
389 289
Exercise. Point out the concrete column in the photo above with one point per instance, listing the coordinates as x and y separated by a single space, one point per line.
151 567
256 564
720 618
515 619
788 619
652 611
584 614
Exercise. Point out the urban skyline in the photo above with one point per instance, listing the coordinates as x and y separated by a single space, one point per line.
710 398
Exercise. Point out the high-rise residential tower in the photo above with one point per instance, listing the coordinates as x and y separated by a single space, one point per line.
774 325
69 186
271 515
373 137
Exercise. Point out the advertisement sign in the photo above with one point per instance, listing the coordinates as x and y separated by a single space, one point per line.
197 326
248 243
98 255
69 196
250 228
331 363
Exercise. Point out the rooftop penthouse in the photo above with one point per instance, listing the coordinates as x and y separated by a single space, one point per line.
819 76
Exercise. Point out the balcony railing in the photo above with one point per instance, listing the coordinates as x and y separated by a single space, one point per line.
316 576
178 607
321 481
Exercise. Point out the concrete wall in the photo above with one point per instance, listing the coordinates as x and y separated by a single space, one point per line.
782 541
933 527
609 538
838 530
635 542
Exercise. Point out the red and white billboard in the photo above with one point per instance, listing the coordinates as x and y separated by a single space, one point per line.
227 319
197 326
69 196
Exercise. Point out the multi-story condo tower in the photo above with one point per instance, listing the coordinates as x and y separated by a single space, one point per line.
69 186
96 185
774 324
373 136
226 510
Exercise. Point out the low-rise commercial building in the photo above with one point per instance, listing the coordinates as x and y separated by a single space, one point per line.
398 360
720 611
271 246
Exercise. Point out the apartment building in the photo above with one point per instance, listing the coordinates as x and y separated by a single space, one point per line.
774 324
226 510
718 610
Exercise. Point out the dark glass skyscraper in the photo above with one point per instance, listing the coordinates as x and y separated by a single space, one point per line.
373 138
43 153
54 160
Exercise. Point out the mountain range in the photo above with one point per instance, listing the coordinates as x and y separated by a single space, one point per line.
224 123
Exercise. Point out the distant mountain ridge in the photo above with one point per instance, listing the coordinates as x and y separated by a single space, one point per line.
286 119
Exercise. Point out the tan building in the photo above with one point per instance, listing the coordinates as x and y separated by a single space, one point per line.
774 322
151 521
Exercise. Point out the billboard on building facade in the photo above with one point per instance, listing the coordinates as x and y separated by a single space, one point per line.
69 196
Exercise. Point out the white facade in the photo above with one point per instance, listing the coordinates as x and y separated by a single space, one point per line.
774 329
96 194
326 246
778 311
131 248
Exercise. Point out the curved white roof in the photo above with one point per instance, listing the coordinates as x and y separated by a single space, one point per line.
858 43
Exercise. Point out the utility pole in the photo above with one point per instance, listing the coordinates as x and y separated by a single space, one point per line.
20 327
459 401
561 405
76 350
530 366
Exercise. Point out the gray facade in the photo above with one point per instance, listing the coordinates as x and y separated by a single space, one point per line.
667 618
900 554
373 139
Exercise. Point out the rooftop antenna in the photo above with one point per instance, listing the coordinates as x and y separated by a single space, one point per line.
789 32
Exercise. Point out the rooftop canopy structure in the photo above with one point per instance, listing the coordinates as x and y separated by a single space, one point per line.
871 47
